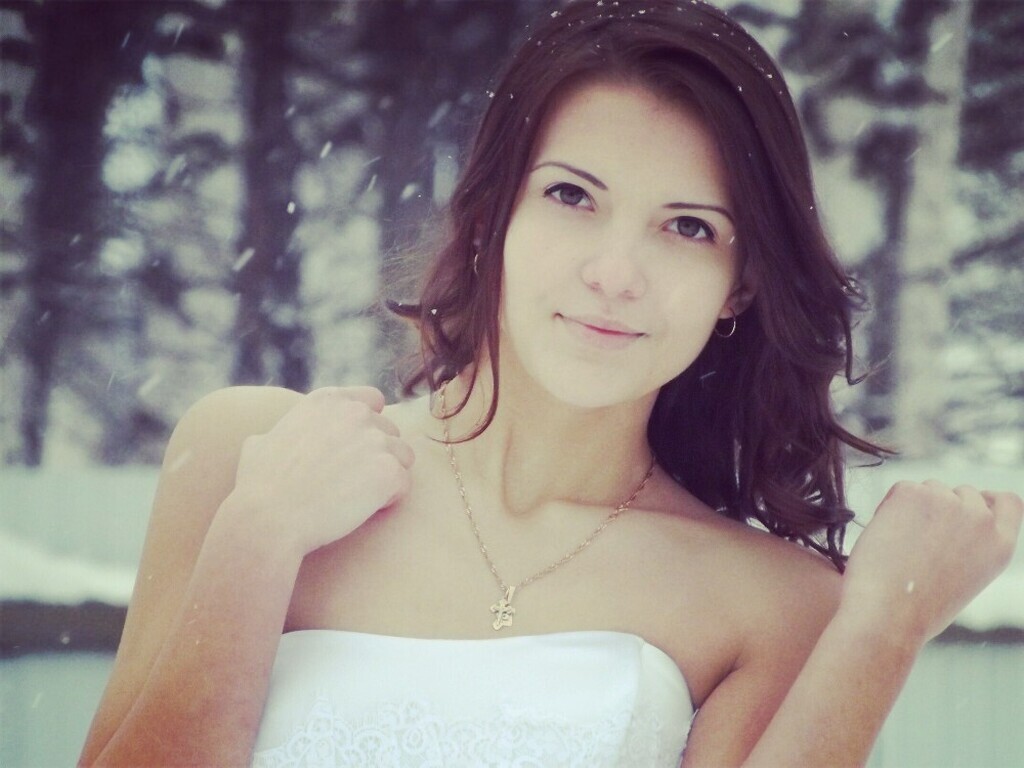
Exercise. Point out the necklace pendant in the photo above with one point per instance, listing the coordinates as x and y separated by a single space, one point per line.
503 610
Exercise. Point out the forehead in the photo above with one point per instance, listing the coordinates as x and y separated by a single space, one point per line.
631 131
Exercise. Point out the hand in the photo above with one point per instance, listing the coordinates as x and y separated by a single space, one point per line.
330 463
926 553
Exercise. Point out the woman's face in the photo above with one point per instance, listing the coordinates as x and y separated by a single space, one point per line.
621 253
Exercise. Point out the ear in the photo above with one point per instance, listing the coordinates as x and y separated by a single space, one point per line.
742 295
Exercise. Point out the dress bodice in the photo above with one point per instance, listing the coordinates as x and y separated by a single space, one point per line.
592 698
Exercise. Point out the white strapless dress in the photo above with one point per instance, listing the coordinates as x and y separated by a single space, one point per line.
591 698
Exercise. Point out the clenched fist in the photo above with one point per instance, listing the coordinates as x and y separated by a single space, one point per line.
928 550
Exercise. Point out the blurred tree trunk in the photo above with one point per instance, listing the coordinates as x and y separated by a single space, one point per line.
269 326
904 64
81 57
882 156
404 173
432 60
922 391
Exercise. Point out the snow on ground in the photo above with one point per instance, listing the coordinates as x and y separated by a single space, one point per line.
1001 604
31 572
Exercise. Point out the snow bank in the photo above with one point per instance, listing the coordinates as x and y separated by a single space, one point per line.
1001 604
31 572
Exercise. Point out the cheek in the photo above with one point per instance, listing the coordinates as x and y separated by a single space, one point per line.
535 260
693 293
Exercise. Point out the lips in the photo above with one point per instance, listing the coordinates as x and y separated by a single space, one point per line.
601 333
604 325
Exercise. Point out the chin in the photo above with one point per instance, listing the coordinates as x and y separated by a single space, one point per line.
582 377
591 387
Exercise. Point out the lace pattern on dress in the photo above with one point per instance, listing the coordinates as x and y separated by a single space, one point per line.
411 734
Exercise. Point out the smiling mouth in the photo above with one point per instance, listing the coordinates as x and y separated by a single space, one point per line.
601 332
602 325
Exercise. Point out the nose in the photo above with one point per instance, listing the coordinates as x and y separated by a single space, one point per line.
613 271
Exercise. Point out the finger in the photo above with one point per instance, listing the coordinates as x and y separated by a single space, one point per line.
404 481
372 396
384 424
369 396
402 451
1009 498
1008 509
937 485
971 498
896 488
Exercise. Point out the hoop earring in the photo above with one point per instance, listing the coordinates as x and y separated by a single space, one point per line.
732 329
476 258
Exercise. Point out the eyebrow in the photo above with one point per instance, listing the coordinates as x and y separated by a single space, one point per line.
578 171
701 206
604 187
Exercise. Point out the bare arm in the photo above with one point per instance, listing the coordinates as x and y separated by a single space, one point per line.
836 708
234 515
928 551
203 699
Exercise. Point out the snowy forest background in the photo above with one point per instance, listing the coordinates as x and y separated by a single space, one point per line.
196 193
209 192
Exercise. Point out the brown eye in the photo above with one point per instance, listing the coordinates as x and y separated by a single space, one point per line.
567 194
692 227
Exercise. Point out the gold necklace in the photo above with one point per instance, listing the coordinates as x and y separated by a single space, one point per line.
503 610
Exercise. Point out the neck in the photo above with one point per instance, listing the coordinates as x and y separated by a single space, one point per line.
538 450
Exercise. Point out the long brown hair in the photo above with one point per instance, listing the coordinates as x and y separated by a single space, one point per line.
749 427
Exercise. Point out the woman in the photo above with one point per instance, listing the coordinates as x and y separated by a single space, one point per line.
634 240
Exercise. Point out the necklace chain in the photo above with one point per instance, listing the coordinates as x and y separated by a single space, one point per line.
503 609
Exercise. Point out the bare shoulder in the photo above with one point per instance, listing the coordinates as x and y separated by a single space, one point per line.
793 600
412 416
202 455
198 473
226 414
738 593
758 572
781 594
199 469
783 574
759 607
